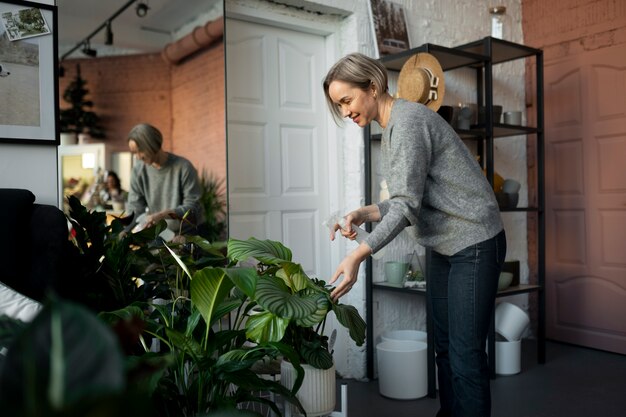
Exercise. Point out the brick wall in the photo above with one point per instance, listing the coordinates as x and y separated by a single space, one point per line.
567 27
198 110
186 101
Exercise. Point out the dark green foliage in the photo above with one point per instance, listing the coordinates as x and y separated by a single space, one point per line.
78 118
214 204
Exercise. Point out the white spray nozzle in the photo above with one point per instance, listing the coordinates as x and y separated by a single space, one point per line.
361 234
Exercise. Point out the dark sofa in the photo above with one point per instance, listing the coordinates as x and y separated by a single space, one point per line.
33 244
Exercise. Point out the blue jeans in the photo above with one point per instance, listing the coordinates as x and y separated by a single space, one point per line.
462 290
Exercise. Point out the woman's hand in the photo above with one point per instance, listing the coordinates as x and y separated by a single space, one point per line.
354 217
349 268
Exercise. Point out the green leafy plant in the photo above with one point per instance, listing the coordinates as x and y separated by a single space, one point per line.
214 204
218 312
290 306
78 118
105 262
68 363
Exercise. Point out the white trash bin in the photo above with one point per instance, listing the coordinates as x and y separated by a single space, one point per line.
508 357
413 335
402 369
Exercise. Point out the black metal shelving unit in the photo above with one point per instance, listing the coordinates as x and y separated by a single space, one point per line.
481 55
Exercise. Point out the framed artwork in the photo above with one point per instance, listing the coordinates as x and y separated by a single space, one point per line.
29 92
389 22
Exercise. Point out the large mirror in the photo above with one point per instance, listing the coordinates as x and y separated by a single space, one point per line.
159 62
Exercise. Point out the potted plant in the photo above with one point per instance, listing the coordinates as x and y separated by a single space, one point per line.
202 367
78 119
214 204
218 317
292 308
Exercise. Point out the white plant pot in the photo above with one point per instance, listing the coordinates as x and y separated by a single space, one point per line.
317 393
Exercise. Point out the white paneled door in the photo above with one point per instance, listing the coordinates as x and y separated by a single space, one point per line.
277 144
586 199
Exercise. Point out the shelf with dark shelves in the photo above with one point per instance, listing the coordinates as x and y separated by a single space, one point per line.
449 58
512 290
481 56
499 50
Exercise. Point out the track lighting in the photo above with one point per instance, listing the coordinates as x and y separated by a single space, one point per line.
108 34
88 51
141 9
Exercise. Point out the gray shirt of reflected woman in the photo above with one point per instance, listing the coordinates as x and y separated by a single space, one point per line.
174 186
435 184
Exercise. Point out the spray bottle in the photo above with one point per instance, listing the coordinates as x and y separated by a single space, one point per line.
361 234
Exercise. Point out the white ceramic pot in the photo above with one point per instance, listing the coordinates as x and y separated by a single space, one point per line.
402 369
511 321
411 335
317 393
508 357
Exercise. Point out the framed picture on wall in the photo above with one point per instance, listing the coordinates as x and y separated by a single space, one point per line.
389 24
28 73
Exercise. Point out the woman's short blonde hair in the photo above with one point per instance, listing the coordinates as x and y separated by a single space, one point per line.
358 70
147 137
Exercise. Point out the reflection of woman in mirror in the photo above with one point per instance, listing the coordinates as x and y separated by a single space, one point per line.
113 188
164 186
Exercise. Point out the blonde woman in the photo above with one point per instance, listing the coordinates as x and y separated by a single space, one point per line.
436 185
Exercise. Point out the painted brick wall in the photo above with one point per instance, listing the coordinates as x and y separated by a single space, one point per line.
126 90
567 27
186 101
198 110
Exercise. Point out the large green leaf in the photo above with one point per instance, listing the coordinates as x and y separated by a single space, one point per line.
266 251
184 343
350 318
266 327
64 356
244 278
323 306
316 354
273 295
179 261
294 277
209 288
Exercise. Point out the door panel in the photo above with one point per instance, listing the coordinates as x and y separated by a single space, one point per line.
277 168
586 199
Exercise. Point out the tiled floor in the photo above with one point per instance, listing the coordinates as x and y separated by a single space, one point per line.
574 382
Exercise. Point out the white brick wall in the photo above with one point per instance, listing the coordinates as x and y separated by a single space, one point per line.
442 22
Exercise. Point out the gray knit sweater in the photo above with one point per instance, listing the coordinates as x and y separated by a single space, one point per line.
175 186
435 184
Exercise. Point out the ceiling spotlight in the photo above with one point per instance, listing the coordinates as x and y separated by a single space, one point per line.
88 51
108 34
141 9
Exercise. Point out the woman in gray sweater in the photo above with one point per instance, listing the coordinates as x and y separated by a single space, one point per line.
163 185
436 185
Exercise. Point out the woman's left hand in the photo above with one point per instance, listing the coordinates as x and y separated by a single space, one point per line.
349 268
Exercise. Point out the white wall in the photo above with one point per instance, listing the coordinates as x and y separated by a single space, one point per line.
442 22
33 167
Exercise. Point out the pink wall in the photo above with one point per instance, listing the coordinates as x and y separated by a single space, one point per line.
566 27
